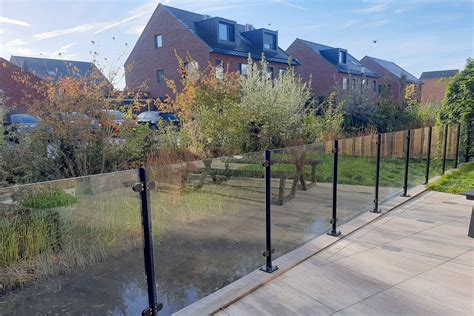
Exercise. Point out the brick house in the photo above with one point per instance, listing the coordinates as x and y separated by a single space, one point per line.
330 68
434 84
393 78
209 40
19 87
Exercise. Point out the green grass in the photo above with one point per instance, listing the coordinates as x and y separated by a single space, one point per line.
49 199
355 170
456 182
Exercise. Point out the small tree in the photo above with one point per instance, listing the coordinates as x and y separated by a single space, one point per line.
328 123
208 107
274 107
458 104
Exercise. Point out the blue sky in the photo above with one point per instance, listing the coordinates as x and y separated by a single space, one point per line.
419 35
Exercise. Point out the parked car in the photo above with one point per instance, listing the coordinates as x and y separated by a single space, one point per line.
115 120
19 124
154 118
77 118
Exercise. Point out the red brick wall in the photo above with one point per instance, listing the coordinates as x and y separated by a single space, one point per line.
433 90
324 76
144 60
387 77
19 94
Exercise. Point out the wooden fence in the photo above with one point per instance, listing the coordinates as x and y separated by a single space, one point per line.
394 144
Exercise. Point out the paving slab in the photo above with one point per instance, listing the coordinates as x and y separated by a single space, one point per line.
413 260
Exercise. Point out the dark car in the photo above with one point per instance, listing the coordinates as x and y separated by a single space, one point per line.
154 118
20 124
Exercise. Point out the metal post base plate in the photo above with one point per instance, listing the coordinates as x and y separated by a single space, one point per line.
376 211
404 195
334 233
267 269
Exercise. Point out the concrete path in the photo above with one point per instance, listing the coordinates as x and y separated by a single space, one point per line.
415 260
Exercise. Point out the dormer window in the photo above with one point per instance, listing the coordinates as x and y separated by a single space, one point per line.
269 41
226 32
342 57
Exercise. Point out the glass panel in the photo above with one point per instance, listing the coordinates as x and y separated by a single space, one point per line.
356 176
451 147
418 154
72 246
208 225
301 195
436 161
392 166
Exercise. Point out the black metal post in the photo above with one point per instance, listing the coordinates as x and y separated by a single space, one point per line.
456 159
143 187
428 158
377 175
334 231
407 163
269 268
445 147
468 140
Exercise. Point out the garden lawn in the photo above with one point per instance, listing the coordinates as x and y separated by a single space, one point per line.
355 170
456 182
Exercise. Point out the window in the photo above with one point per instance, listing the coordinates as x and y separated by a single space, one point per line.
364 82
380 88
270 72
243 69
353 83
342 57
269 41
219 69
226 32
282 71
344 83
160 76
158 41
374 86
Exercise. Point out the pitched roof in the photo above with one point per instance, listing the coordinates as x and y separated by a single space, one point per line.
439 74
395 70
53 68
352 65
243 46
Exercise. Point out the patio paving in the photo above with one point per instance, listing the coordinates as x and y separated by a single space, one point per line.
414 260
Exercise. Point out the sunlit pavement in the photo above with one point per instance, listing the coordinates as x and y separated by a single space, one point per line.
415 260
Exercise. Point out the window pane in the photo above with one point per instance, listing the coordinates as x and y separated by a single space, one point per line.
158 41
223 32
282 71
160 75
269 41
344 83
243 69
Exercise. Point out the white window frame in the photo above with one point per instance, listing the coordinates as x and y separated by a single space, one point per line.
158 40
344 83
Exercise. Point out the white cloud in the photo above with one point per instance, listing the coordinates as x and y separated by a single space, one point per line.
77 29
289 3
118 23
374 8
63 49
14 22
15 43
136 29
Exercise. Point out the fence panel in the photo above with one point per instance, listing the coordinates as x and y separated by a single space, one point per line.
208 221
356 179
78 240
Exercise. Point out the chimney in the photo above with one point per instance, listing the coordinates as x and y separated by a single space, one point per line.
249 27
